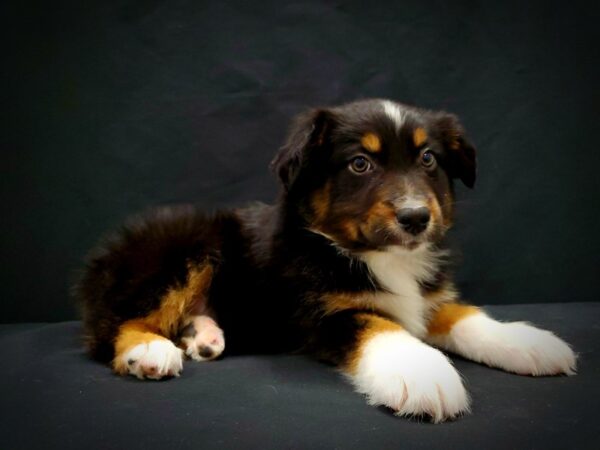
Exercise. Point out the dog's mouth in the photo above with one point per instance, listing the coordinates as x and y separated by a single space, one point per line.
413 244
378 238
408 241
400 232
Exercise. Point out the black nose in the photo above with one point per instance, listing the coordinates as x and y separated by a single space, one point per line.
414 220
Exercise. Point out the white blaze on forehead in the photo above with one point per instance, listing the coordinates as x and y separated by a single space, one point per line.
394 112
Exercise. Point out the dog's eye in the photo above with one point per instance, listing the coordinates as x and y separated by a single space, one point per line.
427 159
360 164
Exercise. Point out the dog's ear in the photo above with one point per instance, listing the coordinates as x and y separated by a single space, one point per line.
462 158
308 131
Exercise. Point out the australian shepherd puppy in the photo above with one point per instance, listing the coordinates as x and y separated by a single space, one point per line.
349 265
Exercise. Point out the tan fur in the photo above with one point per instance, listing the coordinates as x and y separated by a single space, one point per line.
446 293
182 301
350 230
132 333
380 212
437 215
447 315
447 209
320 202
454 141
175 308
372 326
419 136
341 301
371 142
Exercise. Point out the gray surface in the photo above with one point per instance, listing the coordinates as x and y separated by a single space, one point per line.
53 396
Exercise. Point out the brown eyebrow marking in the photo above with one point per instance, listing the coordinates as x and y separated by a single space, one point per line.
371 142
419 136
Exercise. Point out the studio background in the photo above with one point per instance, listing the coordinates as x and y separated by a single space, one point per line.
116 106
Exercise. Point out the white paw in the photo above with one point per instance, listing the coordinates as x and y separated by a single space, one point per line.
155 360
516 347
202 339
399 371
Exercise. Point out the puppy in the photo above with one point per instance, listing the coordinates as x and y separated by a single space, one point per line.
349 265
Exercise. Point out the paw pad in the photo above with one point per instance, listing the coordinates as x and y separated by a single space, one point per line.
206 342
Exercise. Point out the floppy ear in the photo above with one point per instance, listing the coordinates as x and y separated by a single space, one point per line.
462 158
308 131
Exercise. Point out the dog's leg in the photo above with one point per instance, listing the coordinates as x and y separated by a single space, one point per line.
515 347
142 351
202 339
142 347
391 367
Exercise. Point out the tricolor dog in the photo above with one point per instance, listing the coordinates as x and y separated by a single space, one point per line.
349 265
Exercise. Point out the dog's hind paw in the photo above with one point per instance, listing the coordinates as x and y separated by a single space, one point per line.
202 339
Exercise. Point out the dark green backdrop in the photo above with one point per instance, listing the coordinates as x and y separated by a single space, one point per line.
111 107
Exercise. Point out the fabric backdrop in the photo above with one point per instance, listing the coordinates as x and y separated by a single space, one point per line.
111 107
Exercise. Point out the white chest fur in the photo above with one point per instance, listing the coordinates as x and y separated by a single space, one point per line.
399 272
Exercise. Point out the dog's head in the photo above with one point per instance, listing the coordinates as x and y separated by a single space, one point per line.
373 174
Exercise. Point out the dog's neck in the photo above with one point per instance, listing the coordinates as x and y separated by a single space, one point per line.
394 266
387 268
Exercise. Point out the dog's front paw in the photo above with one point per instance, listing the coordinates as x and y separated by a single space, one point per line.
399 371
154 360
515 347
202 339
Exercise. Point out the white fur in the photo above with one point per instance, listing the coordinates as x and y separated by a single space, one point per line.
155 360
399 272
208 334
397 370
394 112
515 347
411 201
